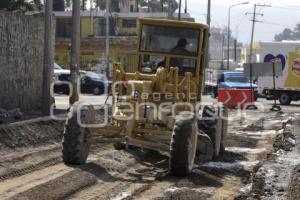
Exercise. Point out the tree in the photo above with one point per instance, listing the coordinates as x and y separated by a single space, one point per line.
11 5
289 34
5 4
286 34
38 4
68 3
22 5
155 5
83 4
58 5
297 32
114 5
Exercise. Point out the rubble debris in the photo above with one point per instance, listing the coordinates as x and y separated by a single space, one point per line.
8 115
285 141
294 185
175 193
257 126
271 178
30 133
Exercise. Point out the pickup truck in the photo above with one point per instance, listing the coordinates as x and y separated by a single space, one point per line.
232 79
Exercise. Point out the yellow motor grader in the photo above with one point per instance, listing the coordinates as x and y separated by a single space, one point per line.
156 104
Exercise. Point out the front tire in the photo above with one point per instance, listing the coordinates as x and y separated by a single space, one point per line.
77 139
183 145
285 99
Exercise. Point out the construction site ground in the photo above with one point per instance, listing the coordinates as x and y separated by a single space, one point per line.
261 162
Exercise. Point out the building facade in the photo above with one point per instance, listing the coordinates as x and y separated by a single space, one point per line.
123 36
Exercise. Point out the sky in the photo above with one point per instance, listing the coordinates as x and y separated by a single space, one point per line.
281 14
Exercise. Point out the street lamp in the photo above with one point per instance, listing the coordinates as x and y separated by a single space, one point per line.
228 27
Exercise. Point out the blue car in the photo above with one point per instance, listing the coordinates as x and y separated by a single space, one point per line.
233 79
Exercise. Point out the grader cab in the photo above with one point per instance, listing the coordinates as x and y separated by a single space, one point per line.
157 103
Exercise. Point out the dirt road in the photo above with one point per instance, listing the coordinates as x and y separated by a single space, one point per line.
31 166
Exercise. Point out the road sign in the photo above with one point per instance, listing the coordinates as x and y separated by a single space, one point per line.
263 69
235 98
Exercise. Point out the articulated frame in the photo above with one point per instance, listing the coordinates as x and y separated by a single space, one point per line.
144 106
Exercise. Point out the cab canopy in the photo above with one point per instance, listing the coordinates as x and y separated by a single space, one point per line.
170 43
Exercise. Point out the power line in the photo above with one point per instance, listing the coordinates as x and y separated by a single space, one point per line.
275 24
241 20
288 8
254 14
288 5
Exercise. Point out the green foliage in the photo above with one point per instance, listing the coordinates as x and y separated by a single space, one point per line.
4 4
38 4
22 5
114 5
68 3
286 34
289 34
83 4
155 5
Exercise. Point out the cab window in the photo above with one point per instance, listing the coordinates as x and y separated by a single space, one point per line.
150 63
184 65
171 40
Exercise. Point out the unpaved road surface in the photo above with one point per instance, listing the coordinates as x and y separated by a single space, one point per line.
31 166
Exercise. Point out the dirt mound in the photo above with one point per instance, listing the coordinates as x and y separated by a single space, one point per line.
184 193
294 186
285 141
30 134
271 178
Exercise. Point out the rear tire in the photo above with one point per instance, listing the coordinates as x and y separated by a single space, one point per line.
224 119
212 124
285 99
119 146
98 90
77 139
183 146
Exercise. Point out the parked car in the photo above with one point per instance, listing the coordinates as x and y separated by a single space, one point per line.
234 79
59 70
91 82
61 74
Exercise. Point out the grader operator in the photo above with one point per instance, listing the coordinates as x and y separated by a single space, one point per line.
156 103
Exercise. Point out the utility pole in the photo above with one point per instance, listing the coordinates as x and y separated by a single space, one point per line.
92 18
223 44
228 39
137 5
206 61
235 48
170 7
185 7
107 39
228 30
48 58
252 32
253 26
251 49
75 49
179 10
208 19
